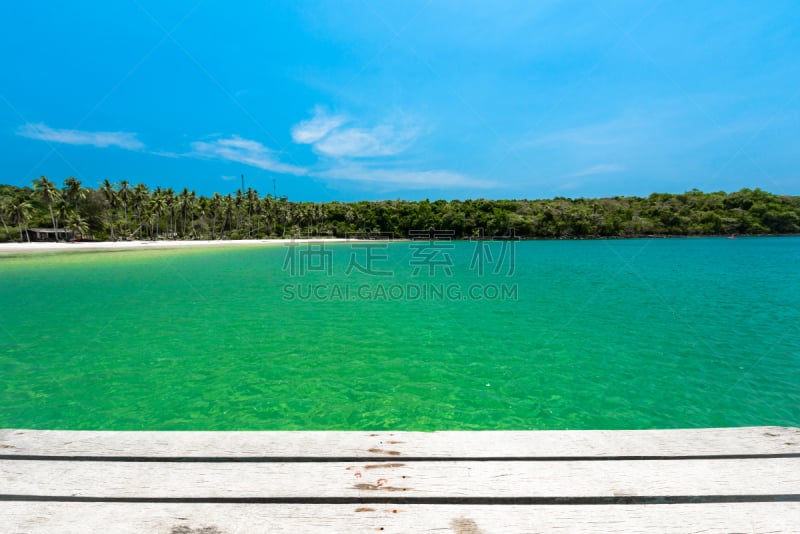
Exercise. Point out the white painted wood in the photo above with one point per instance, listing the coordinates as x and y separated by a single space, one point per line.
70 518
388 475
412 479
481 444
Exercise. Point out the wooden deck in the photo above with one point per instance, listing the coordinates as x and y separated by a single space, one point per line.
704 480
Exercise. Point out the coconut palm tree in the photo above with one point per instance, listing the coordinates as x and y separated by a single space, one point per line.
73 192
169 200
141 198
228 207
322 211
192 204
77 225
62 211
124 194
6 212
216 207
258 210
107 189
238 201
157 206
22 211
270 214
251 197
285 213
50 194
204 206
184 202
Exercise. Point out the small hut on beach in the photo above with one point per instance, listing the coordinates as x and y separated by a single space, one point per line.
49 234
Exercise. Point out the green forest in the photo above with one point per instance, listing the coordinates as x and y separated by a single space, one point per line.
125 211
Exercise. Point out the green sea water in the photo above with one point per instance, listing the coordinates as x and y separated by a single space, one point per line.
612 334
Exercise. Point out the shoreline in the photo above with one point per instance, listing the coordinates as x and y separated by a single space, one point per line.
89 246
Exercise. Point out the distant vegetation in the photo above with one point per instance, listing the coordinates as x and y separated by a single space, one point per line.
125 211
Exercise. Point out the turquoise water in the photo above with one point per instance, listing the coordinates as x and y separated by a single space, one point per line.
661 333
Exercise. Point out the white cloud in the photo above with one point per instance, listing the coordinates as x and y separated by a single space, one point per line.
382 140
602 168
621 131
43 132
166 154
402 179
344 147
327 136
317 127
244 151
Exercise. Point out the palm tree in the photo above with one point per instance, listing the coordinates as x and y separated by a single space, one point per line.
252 198
141 198
204 207
78 225
185 200
228 205
238 204
269 213
283 209
50 194
216 205
322 209
124 194
5 211
62 211
73 191
192 204
157 205
169 199
258 210
111 197
22 211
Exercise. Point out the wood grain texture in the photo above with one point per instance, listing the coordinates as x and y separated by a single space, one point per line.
447 519
373 468
481 444
414 479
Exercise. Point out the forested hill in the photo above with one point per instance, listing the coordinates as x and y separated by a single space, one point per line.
114 211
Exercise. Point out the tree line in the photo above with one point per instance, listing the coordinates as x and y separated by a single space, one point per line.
127 211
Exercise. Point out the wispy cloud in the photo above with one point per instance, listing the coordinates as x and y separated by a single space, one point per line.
317 127
41 131
367 155
613 132
166 154
329 137
402 179
384 140
245 151
602 168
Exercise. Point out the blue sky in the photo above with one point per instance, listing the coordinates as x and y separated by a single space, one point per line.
353 100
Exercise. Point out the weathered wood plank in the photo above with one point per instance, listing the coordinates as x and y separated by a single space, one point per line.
402 480
482 444
247 518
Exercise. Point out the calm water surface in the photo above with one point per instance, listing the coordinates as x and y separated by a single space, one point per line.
662 333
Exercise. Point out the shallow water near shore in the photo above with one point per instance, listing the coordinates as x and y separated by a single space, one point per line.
612 334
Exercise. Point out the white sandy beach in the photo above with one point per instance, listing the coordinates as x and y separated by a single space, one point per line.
21 248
